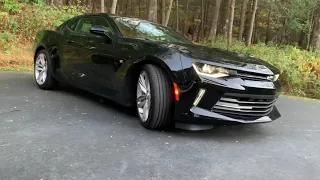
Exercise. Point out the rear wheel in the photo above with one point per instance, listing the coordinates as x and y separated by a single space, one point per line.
154 98
43 71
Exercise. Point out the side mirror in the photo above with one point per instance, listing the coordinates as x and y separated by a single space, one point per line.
101 31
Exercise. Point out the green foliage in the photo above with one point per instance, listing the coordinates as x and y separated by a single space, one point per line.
6 38
11 6
35 18
300 69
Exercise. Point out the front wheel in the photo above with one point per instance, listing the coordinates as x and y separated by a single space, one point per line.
154 98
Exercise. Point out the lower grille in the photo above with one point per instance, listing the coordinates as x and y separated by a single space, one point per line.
245 106
252 76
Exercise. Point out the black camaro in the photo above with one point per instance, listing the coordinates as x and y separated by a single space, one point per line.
139 63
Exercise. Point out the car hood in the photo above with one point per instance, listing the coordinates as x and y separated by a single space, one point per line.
226 59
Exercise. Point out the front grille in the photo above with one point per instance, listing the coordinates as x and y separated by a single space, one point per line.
252 76
245 106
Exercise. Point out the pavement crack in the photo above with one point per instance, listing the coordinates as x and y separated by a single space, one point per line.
16 110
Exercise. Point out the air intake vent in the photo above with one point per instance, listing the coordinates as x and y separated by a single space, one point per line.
244 105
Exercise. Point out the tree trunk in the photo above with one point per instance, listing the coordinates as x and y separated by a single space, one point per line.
315 41
200 32
268 27
127 8
152 15
139 8
231 23
163 12
168 13
243 18
177 15
89 3
114 7
253 16
93 5
185 27
102 6
213 30
206 12
224 18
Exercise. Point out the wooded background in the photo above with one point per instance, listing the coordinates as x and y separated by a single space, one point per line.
294 22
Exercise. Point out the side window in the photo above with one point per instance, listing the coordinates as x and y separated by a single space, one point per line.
72 24
102 22
85 25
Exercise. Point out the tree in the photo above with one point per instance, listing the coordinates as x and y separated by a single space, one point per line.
243 18
252 20
177 15
152 15
214 25
102 6
201 30
315 41
168 13
113 7
163 12
224 18
231 23
185 26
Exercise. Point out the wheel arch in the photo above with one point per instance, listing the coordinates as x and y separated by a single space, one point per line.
134 70
38 49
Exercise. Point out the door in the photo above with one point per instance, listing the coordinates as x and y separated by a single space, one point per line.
68 50
95 60
81 41
103 59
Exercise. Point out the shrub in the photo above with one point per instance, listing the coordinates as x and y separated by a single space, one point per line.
11 6
35 18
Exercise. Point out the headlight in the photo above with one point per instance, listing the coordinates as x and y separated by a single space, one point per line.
213 71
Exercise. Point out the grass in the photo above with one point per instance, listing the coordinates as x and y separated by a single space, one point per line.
19 59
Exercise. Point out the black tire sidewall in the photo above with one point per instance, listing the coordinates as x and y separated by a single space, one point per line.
149 124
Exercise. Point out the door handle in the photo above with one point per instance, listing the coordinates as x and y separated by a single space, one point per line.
70 41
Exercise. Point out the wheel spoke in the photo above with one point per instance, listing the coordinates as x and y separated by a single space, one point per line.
146 110
38 68
44 76
40 76
142 84
141 101
38 64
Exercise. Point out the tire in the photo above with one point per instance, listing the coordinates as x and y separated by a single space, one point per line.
161 100
48 82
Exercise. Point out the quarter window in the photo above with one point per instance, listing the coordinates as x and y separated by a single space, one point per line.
72 24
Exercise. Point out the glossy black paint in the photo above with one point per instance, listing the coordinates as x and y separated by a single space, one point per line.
107 64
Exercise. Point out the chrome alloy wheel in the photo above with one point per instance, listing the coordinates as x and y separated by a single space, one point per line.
143 96
41 68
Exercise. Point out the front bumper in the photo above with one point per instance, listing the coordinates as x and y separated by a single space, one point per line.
234 100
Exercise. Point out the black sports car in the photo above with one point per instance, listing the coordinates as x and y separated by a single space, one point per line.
139 63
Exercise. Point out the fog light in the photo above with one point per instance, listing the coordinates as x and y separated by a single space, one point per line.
199 97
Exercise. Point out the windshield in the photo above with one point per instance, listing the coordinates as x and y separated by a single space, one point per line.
140 29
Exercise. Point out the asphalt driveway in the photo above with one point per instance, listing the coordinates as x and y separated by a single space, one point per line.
71 134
